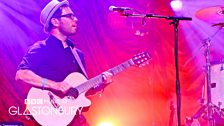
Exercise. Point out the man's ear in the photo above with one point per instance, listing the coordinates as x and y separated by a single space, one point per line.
55 22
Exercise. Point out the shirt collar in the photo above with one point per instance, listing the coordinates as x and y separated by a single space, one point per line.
58 42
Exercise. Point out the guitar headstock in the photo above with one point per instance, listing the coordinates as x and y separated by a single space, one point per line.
141 59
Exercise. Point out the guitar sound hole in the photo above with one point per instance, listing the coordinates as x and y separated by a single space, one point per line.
73 92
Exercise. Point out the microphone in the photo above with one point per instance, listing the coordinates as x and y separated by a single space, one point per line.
119 9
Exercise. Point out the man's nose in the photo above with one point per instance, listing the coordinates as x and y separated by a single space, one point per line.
75 19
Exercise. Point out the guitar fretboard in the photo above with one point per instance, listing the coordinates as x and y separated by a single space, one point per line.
99 79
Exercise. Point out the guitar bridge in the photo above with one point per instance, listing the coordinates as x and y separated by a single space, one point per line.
54 103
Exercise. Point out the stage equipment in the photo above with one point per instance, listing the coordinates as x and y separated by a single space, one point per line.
212 15
175 22
217 78
209 110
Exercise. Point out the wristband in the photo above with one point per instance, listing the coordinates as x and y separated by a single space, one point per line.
44 83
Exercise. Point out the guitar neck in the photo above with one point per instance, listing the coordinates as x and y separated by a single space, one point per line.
98 79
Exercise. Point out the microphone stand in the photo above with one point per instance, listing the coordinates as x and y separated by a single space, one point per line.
175 22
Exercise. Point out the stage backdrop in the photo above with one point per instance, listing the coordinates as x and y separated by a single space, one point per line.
137 96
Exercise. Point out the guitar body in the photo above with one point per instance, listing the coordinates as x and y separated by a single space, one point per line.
50 110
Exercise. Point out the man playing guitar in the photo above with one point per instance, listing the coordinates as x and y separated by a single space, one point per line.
48 62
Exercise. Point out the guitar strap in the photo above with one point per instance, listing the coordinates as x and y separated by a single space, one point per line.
76 55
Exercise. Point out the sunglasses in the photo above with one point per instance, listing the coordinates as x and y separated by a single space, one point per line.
71 16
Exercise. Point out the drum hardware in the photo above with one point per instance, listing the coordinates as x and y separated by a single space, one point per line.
221 68
213 85
207 110
215 16
221 25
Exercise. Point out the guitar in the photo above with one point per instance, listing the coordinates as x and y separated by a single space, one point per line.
49 109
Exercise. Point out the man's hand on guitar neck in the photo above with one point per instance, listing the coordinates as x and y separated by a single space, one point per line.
106 80
107 77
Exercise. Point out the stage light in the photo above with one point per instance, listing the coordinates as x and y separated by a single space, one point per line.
176 5
105 124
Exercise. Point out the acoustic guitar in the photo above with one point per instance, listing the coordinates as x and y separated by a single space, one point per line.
50 109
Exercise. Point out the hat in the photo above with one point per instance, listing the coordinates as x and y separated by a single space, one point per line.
49 11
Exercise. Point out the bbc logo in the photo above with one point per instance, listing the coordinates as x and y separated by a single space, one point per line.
33 101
